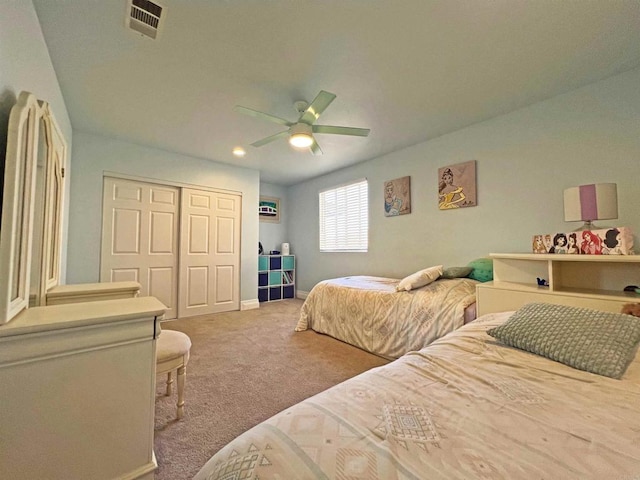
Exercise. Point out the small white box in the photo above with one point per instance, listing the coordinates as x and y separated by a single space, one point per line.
285 249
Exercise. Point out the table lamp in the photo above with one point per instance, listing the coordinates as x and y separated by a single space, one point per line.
586 203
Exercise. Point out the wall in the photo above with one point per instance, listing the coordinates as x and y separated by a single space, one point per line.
273 234
25 65
525 160
94 154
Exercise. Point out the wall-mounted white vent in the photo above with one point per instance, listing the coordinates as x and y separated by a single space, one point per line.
145 17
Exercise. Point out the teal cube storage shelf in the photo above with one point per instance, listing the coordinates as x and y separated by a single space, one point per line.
288 262
276 277
263 263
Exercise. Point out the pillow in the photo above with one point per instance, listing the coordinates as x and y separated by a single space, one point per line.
589 340
456 272
482 269
419 279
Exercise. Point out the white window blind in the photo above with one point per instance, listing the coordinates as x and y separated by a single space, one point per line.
344 218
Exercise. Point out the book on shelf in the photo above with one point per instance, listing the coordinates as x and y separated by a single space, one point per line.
287 277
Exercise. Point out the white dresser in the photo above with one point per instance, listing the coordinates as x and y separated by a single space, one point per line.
77 391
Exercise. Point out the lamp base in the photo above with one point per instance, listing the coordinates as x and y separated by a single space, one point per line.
588 225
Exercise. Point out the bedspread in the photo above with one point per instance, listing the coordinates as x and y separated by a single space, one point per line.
368 312
464 407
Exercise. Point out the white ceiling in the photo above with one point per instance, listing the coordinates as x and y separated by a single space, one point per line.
410 70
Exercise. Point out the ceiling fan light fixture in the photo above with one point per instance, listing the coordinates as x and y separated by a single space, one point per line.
301 140
239 151
300 135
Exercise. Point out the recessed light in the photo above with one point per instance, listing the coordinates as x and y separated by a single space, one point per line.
239 152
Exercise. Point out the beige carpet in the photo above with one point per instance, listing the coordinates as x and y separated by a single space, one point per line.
244 368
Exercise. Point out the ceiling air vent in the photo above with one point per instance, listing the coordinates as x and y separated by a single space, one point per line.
145 17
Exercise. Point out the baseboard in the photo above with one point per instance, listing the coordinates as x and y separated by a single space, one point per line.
249 304
301 294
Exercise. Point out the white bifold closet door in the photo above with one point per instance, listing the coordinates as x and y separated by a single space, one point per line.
140 238
181 244
209 253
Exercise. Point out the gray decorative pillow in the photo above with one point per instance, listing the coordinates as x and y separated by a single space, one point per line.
456 272
590 340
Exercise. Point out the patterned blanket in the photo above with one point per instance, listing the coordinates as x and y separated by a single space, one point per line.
368 312
464 407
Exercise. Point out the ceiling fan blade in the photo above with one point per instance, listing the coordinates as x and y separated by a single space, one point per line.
358 132
270 139
262 115
319 105
315 148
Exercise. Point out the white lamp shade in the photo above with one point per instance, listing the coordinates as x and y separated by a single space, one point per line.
597 201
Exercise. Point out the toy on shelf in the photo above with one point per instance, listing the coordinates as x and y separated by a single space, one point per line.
542 282
631 309
603 241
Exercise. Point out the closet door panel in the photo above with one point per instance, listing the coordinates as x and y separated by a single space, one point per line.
209 259
162 234
124 275
126 231
224 284
226 241
161 284
197 287
227 252
198 235
196 232
140 238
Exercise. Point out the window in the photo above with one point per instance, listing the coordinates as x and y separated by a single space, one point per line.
344 218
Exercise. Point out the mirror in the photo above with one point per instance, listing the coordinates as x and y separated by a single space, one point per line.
17 207
30 234
56 151
38 215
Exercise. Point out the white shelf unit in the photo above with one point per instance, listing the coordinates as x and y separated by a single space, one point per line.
591 281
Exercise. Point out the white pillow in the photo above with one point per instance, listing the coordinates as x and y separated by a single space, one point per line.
420 278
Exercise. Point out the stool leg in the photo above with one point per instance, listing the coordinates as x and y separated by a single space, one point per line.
182 372
169 383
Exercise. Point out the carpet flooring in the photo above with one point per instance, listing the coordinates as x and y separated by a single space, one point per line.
245 367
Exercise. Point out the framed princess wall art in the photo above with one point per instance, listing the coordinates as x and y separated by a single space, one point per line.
457 186
397 197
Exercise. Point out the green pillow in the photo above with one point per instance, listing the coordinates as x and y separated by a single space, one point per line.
456 272
482 269
590 340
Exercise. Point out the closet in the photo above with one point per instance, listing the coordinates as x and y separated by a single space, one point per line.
182 244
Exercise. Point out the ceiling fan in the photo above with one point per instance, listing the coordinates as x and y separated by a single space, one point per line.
301 132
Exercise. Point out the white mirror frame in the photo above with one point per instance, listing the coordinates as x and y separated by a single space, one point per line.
54 188
16 231
18 207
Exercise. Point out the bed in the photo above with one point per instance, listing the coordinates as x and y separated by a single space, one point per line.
464 407
369 313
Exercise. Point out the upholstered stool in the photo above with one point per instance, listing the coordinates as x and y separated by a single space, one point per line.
172 353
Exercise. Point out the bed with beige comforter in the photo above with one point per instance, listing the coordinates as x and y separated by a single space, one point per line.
367 312
464 407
